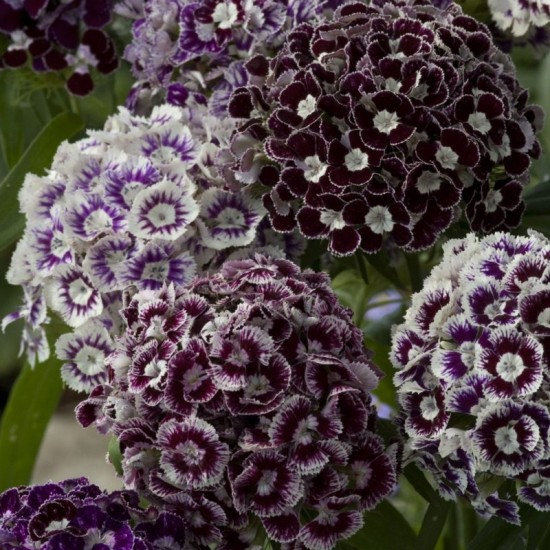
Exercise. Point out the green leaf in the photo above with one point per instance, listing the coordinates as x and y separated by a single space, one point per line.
433 524
35 159
381 262
33 399
421 485
384 528
115 456
500 534
538 528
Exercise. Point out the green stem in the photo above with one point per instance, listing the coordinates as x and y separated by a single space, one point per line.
361 267
415 272
433 524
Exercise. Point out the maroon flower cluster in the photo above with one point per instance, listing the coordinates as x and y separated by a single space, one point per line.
474 371
246 395
75 514
377 123
56 36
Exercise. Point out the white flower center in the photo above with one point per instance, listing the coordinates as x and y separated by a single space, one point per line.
385 122
447 158
266 483
379 219
428 182
479 122
356 160
98 221
313 168
429 408
164 155
90 360
230 217
161 215
510 366
57 525
307 106
193 378
192 452
225 15
59 246
257 385
80 292
155 270
468 353
333 219
506 439
492 200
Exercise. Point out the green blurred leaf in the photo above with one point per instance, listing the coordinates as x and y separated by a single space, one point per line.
115 456
433 524
385 528
500 534
33 399
35 160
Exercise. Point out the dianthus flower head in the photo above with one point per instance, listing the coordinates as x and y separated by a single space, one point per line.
141 203
246 395
380 122
182 49
76 514
59 36
474 360
519 16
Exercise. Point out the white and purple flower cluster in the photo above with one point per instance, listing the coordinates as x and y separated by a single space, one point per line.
75 514
184 48
382 121
245 395
474 371
59 36
520 16
143 203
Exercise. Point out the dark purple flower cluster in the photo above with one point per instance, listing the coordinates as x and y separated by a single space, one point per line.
75 514
56 36
186 50
474 371
380 122
246 395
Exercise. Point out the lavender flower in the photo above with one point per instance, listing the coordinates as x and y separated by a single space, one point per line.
247 393
184 51
77 514
379 123
473 356
56 36
144 202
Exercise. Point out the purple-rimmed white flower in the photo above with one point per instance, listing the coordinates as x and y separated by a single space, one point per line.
248 389
473 356
380 123
520 17
144 202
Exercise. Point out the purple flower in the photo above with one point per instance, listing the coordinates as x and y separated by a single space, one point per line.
53 37
472 370
181 51
520 17
76 514
373 126
247 390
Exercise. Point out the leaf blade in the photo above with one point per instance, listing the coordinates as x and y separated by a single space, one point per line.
35 159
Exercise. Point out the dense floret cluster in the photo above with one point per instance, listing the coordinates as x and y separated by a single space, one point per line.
58 36
474 371
182 49
380 122
75 514
246 395
144 202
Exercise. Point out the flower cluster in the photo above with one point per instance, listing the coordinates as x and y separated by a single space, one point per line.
246 395
78 515
59 35
474 371
519 16
182 48
375 124
144 202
